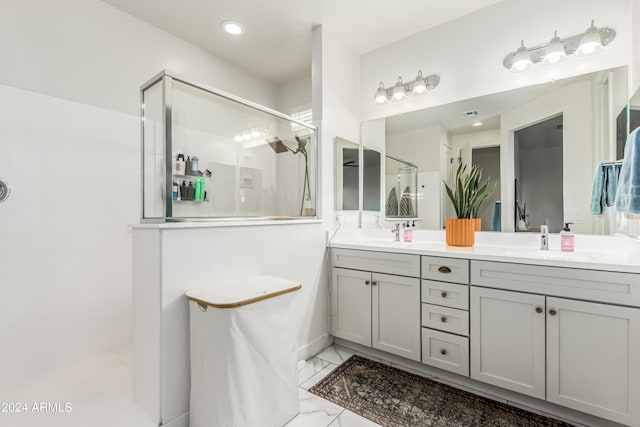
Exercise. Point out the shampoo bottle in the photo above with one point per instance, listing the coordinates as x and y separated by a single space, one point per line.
179 169
567 242
194 166
187 166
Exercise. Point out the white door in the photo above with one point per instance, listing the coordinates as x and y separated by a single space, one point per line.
351 305
508 340
593 352
396 315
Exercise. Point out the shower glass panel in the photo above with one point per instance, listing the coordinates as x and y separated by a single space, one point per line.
208 155
401 184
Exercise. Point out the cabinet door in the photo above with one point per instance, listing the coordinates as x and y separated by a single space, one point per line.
593 353
508 340
351 305
396 315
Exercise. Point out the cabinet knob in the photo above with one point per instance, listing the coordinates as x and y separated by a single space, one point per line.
443 319
444 269
443 295
374 283
366 282
552 312
443 351
538 309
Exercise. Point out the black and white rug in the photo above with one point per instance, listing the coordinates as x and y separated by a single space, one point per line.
392 397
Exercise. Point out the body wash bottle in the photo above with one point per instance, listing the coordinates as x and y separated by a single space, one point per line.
567 242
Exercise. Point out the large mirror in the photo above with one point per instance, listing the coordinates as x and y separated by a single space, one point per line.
539 145
347 175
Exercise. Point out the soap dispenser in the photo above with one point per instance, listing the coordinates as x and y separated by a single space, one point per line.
567 242
407 232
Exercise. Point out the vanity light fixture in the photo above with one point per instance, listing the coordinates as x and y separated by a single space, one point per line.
588 43
401 89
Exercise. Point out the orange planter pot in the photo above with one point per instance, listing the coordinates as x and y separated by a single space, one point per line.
478 223
460 231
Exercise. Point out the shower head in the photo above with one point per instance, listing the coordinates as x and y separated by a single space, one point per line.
276 144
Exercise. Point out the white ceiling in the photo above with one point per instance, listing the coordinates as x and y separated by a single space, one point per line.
276 45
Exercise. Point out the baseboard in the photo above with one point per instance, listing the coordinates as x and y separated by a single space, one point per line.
314 347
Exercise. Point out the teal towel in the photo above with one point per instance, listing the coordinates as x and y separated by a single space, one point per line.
628 194
496 221
612 175
598 191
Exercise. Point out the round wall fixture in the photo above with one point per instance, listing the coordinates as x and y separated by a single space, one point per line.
5 190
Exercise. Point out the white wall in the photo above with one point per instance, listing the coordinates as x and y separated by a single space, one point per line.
294 94
69 147
91 52
420 147
467 53
635 63
466 142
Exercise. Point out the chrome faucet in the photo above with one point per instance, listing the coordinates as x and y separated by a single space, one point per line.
544 238
397 231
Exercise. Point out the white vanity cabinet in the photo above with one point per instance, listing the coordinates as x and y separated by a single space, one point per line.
375 301
590 351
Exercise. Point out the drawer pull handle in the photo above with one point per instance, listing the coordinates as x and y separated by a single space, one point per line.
444 269
374 283
443 295
552 312
366 282
443 351
443 319
538 309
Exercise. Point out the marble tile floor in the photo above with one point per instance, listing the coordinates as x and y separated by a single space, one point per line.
318 412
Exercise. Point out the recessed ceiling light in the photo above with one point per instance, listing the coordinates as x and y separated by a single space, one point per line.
477 124
232 27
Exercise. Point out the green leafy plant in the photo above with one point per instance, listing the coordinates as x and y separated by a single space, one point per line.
468 192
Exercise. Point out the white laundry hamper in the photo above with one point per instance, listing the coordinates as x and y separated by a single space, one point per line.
243 354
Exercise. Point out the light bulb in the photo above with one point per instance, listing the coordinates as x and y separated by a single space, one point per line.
237 137
590 43
420 86
555 51
255 133
381 94
521 60
398 90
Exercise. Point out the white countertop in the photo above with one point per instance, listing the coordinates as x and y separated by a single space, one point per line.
608 253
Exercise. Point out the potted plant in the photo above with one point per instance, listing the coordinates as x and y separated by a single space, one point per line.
467 196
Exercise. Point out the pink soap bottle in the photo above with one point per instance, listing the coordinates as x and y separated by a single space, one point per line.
567 242
407 232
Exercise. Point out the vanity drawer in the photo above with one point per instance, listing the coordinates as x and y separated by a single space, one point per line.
446 269
445 351
381 262
445 319
447 294
591 285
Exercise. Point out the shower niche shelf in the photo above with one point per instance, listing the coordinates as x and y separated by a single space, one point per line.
263 162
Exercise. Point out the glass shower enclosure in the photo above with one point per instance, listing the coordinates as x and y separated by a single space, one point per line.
208 154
